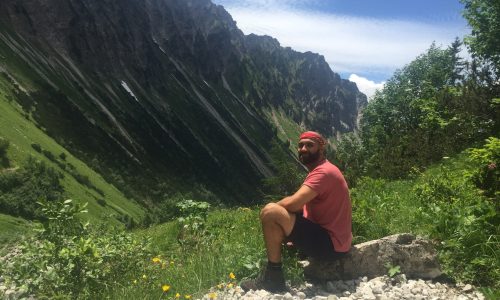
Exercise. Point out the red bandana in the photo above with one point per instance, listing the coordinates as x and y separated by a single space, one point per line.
312 135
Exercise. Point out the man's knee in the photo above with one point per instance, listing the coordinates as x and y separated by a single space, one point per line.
271 211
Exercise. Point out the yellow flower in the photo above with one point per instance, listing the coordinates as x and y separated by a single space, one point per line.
171 262
231 275
135 281
144 276
163 265
165 288
156 260
219 286
212 295
187 296
177 295
230 285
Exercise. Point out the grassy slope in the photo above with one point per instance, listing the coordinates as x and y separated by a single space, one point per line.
21 133
11 228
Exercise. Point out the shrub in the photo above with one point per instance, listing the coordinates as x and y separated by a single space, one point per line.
49 155
464 221
20 190
67 259
37 147
487 173
4 145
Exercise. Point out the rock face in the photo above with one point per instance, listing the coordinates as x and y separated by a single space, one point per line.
415 256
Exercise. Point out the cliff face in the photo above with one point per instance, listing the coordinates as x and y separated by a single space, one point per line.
164 93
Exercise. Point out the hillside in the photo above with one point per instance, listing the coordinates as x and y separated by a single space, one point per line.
165 98
79 181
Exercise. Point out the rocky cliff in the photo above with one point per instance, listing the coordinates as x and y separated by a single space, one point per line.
164 96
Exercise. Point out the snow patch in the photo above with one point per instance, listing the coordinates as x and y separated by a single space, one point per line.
127 88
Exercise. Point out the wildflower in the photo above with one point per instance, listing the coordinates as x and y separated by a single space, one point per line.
230 285
171 262
212 295
187 296
231 275
164 265
135 281
144 277
165 288
219 286
492 166
156 260
177 296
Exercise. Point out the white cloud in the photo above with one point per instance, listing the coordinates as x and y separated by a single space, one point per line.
366 86
349 44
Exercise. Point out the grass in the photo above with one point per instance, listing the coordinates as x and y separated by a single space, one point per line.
287 130
232 242
11 229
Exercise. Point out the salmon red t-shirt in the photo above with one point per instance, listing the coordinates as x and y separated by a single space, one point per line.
332 206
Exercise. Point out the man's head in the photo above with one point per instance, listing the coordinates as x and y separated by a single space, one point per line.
311 147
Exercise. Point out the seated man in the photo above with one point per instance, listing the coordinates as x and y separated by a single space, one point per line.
316 219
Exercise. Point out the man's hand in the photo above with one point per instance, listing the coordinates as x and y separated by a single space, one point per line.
295 202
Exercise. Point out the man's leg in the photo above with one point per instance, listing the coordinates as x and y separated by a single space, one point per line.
277 223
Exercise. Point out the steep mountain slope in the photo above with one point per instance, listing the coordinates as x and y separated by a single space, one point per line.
164 96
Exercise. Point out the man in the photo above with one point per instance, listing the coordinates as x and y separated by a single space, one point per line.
316 219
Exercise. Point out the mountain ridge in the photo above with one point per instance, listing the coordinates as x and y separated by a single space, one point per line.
165 94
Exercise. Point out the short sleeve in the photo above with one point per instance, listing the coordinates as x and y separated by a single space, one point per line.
318 181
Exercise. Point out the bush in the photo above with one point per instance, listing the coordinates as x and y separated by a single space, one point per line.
487 173
49 155
4 145
67 259
464 221
20 190
37 147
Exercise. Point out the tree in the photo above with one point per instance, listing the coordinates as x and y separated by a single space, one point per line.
484 16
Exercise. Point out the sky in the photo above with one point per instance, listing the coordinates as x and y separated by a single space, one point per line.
364 41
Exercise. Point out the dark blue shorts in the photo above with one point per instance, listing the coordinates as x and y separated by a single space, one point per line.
312 240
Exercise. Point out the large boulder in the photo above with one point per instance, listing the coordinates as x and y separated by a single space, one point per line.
415 256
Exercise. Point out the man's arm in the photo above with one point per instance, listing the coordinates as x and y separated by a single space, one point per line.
295 202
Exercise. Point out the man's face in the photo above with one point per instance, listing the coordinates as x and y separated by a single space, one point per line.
309 151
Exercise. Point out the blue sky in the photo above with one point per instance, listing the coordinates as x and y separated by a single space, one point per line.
364 41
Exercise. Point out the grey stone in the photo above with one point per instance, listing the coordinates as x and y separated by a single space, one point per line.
415 256
330 287
301 295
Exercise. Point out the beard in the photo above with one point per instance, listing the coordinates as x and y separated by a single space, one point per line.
309 158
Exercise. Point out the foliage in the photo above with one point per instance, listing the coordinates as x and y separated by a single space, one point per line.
349 157
4 145
435 106
193 214
487 174
21 189
392 270
288 176
68 260
442 203
484 16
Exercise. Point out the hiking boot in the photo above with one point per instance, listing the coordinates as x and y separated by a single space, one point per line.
271 280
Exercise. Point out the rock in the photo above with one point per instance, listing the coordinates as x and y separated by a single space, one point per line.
330 287
467 288
301 295
415 256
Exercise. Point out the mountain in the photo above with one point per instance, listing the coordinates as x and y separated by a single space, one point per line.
163 97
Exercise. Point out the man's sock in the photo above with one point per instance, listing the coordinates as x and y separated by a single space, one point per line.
274 265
